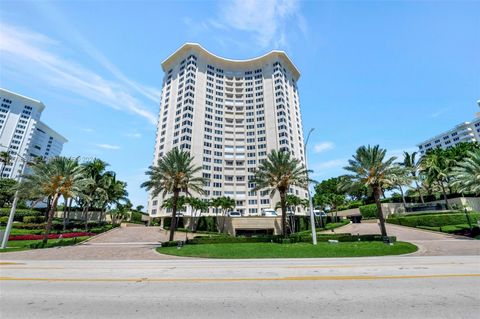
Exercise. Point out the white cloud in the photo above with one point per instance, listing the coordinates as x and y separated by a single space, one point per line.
268 20
88 130
109 146
440 112
336 163
323 146
35 55
328 168
134 135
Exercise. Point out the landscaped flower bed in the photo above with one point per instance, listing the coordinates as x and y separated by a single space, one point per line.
51 236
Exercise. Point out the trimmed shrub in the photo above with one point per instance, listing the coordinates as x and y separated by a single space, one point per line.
4 220
434 220
168 221
295 238
207 223
136 217
19 213
30 226
369 211
33 219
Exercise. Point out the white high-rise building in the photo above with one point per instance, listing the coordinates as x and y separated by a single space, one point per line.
229 114
22 133
463 132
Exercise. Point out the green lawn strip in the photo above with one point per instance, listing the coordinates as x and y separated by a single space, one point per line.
298 250
18 245
19 231
447 228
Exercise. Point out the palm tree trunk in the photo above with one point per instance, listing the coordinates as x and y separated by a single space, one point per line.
49 205
284 213
444 195
69 209
224 220
377 191
85 215
419 192
51 212
173 223
65 209
403 197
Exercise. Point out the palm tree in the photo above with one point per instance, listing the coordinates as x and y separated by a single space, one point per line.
58 177
370 169
5 159
413 165
292 203
96 190
174 173
401 177
435 166
197 205
73 163
467 173
278 173
111 192
225 203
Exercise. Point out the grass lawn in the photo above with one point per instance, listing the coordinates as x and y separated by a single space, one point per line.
298 250
17 245
18 231
448 228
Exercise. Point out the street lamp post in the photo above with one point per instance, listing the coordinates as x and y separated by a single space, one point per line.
14 206
310 201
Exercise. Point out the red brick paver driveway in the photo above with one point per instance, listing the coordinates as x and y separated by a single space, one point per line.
126 243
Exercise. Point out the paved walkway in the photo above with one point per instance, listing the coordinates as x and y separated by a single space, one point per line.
430 243
127 243
138 243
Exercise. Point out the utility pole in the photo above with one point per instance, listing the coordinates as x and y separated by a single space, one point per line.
8 229
310 201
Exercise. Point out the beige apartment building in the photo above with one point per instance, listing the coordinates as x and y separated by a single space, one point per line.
229 114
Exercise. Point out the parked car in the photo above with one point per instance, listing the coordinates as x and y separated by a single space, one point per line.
269 213
234 214
319 213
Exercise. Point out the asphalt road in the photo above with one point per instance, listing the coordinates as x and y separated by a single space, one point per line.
377 287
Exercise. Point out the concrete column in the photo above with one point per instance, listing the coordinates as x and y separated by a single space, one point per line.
161 221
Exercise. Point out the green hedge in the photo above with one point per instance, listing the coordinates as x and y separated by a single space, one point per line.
136 217
434 220
19 213
168 221
33 219
207 223
57 226
278 239
369 211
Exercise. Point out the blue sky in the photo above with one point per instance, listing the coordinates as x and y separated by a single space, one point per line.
377 72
